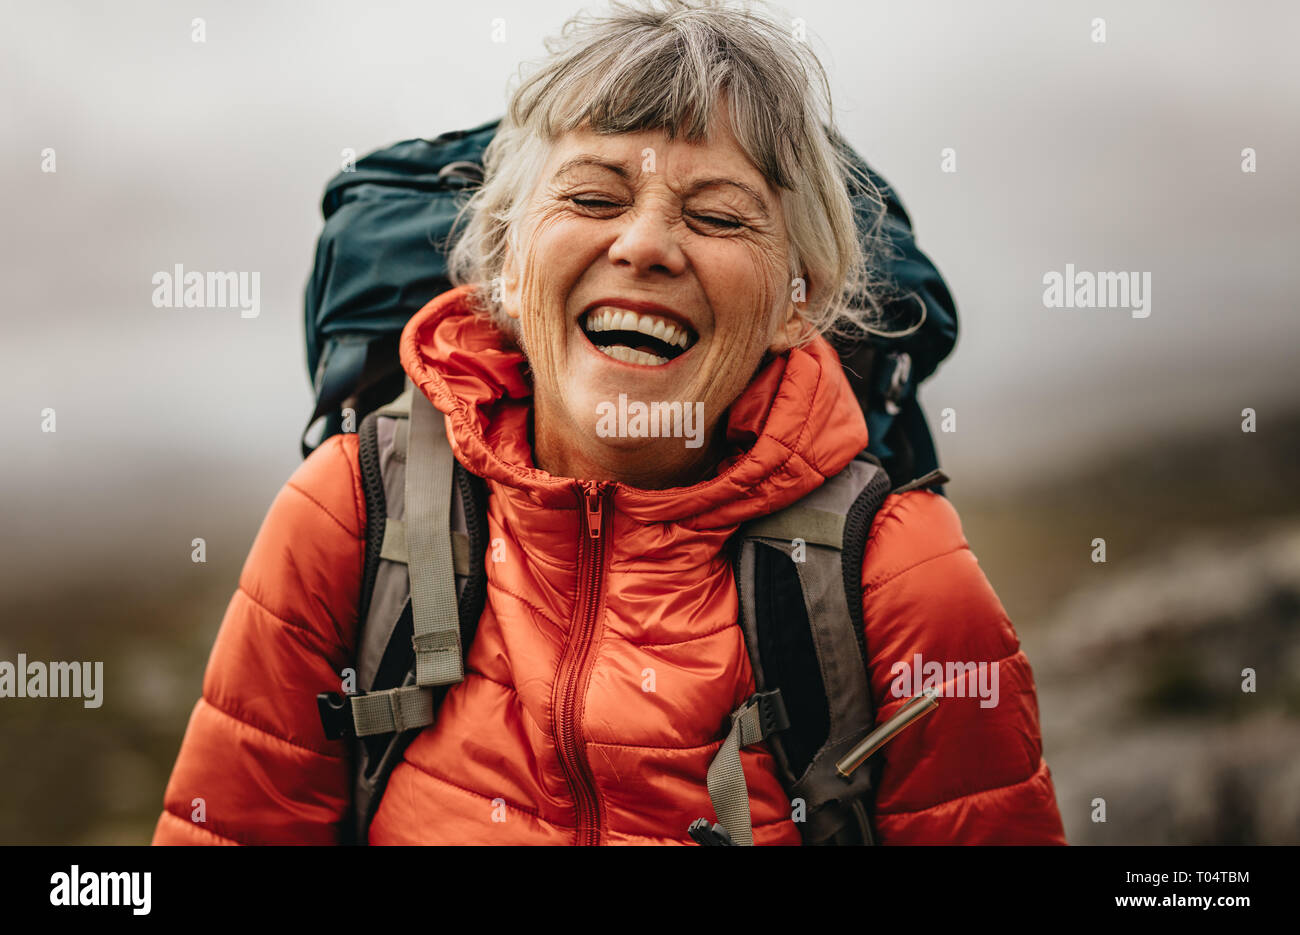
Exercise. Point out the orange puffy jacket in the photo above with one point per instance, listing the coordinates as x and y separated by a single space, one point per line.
551 739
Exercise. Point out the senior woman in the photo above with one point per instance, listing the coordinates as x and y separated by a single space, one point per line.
663 220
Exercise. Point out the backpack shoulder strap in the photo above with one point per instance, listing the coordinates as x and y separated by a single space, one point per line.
798 578
422 592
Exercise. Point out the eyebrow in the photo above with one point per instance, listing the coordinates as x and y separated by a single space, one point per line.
586 159
621 170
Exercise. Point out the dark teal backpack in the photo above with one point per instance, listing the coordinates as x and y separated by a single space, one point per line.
382 257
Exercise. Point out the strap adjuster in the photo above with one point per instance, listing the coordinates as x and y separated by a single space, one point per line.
772 716
711 835
336 715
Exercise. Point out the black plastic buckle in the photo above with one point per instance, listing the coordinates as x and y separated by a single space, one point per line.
336 715
709 835
772 716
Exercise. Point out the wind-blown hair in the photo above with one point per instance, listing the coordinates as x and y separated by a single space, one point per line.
665 66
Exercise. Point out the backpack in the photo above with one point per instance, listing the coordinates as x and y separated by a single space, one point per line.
382 256
379 260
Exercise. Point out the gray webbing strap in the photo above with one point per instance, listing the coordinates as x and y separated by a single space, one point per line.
392 711
819 527
394 547
726 779
460 553
428 544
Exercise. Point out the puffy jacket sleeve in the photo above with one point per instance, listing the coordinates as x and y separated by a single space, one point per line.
254 765
971 771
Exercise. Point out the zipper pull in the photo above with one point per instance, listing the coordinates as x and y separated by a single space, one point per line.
593 508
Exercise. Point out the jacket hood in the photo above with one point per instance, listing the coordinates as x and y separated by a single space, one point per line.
796 424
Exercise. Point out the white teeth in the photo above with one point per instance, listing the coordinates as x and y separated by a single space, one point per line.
614 319
631 356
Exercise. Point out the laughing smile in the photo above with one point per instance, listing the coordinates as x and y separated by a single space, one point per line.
636 337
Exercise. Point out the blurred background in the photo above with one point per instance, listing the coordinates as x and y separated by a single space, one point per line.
1072 424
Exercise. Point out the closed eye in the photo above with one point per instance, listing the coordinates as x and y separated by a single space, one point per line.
603 204
723 222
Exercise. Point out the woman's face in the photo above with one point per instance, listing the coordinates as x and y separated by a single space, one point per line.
652 268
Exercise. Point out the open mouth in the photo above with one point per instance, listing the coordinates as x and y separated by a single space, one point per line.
636 337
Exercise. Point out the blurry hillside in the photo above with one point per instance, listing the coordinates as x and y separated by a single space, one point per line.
1137 660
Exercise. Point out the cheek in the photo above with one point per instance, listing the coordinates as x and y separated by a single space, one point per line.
752 277
747 286
743 286
555 261
550 270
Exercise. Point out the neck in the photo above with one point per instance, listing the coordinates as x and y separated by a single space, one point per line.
651 464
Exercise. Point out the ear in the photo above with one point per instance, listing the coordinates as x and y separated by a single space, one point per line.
790 328
510 285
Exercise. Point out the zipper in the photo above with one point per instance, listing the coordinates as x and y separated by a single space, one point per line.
577 657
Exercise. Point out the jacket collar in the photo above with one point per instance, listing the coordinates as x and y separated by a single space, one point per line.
796 424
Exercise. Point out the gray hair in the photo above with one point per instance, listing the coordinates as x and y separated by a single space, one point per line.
661 66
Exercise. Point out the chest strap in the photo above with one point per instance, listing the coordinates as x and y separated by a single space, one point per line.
757 719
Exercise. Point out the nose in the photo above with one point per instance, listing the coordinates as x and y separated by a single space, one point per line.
648 243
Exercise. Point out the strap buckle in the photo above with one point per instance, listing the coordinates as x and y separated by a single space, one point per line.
772 716
336 715
709 835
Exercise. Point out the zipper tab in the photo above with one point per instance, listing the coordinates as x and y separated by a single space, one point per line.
593 508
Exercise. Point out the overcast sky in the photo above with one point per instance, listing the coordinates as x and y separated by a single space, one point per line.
1123 155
